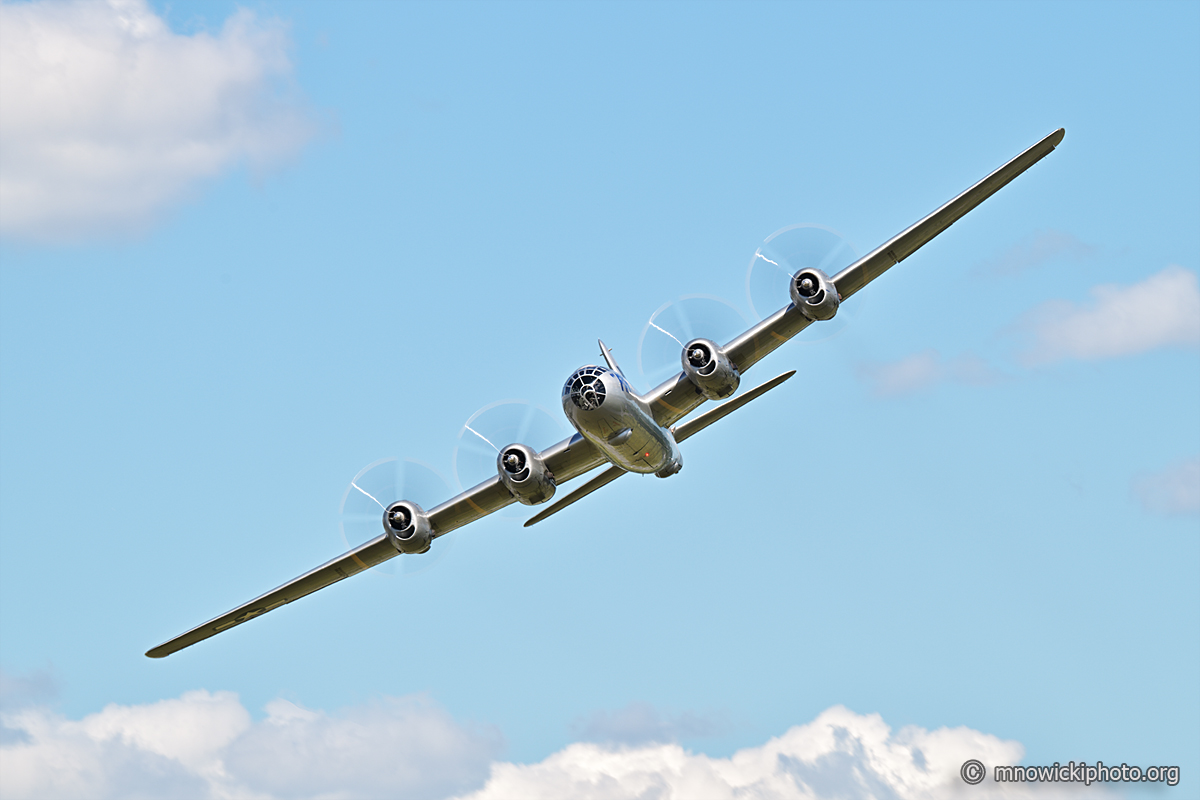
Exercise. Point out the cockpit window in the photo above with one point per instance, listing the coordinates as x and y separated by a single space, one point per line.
586 388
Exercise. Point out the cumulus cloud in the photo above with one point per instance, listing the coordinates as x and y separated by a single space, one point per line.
205 745
20 691
1036 250
638 723
1161 311
110 118
163 749
838 755
923 370
1174 490
39 686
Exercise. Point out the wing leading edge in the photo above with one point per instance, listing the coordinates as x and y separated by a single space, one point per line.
567 459
360 558
678 396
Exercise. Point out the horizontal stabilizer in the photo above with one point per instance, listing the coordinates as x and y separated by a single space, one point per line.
603 479
694 426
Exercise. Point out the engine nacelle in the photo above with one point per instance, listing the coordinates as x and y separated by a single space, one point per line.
814 294
710 369
524 474
408 527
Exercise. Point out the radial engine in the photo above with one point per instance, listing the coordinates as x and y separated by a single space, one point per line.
814 294
707 366
524 474
408 527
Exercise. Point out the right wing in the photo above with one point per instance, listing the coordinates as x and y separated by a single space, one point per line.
362 557
567 459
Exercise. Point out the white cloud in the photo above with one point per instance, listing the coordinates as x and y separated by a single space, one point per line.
641 722
169 748
839 755
109 118
923 370
393 747
1036 250
16 690
205 745
1161 311
1174 490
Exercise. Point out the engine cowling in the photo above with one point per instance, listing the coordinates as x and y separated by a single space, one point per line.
707 366
814 294
408 527
524 474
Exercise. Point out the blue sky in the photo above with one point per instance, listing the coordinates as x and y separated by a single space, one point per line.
257 247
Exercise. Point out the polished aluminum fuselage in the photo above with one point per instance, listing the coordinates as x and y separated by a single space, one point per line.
622 427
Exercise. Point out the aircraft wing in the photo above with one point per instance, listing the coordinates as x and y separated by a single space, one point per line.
360 558
678 396
907 242
567 459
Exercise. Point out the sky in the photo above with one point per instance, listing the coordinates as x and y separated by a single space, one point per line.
247 250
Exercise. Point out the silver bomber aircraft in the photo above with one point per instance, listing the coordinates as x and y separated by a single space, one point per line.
618 427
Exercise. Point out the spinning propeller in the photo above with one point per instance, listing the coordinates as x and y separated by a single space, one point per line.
786 252
495 426
373 489
781 255
676 323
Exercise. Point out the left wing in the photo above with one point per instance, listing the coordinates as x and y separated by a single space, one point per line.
675 398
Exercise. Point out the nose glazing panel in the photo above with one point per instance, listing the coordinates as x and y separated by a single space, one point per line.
586 388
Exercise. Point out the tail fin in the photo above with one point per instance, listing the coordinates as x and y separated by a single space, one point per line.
608 359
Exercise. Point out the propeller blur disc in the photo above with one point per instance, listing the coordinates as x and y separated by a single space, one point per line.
782 255
677 322
499 425
379 484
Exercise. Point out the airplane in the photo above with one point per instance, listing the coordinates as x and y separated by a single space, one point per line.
616 426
